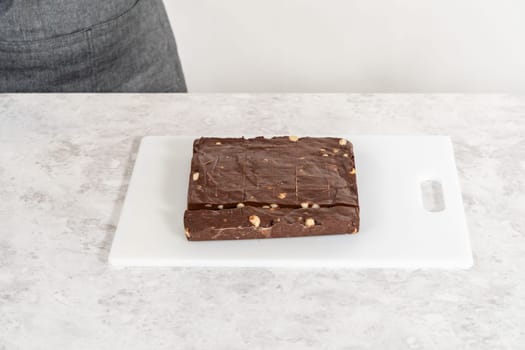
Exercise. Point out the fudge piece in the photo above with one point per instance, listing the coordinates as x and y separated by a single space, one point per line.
253 222
278 187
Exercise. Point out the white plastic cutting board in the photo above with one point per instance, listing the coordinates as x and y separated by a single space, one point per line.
396 231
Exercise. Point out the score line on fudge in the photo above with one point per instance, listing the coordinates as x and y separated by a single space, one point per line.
271 188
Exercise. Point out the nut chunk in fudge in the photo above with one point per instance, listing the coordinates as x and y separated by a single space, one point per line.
271 187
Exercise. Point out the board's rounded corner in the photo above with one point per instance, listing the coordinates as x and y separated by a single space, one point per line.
111 261
447 139
146 139
115 263
467 264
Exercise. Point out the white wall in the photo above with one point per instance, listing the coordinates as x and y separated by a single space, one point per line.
351 45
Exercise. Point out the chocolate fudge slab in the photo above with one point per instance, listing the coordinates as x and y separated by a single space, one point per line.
259 171
253 222
271 187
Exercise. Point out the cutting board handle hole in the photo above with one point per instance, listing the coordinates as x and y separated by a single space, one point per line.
432 196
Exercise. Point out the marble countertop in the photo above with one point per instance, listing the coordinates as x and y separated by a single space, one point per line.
65 162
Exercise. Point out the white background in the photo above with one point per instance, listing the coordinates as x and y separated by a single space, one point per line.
351 45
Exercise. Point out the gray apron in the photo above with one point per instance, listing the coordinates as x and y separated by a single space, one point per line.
87 46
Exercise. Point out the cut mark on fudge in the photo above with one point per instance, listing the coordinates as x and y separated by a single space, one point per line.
244 174
303 205
296 185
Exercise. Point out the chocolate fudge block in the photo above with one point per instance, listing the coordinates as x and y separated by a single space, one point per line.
254 222
271 187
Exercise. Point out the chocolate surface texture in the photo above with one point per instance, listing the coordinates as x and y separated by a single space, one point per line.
271 187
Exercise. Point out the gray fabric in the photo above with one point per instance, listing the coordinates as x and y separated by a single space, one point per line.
41 19
124 47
